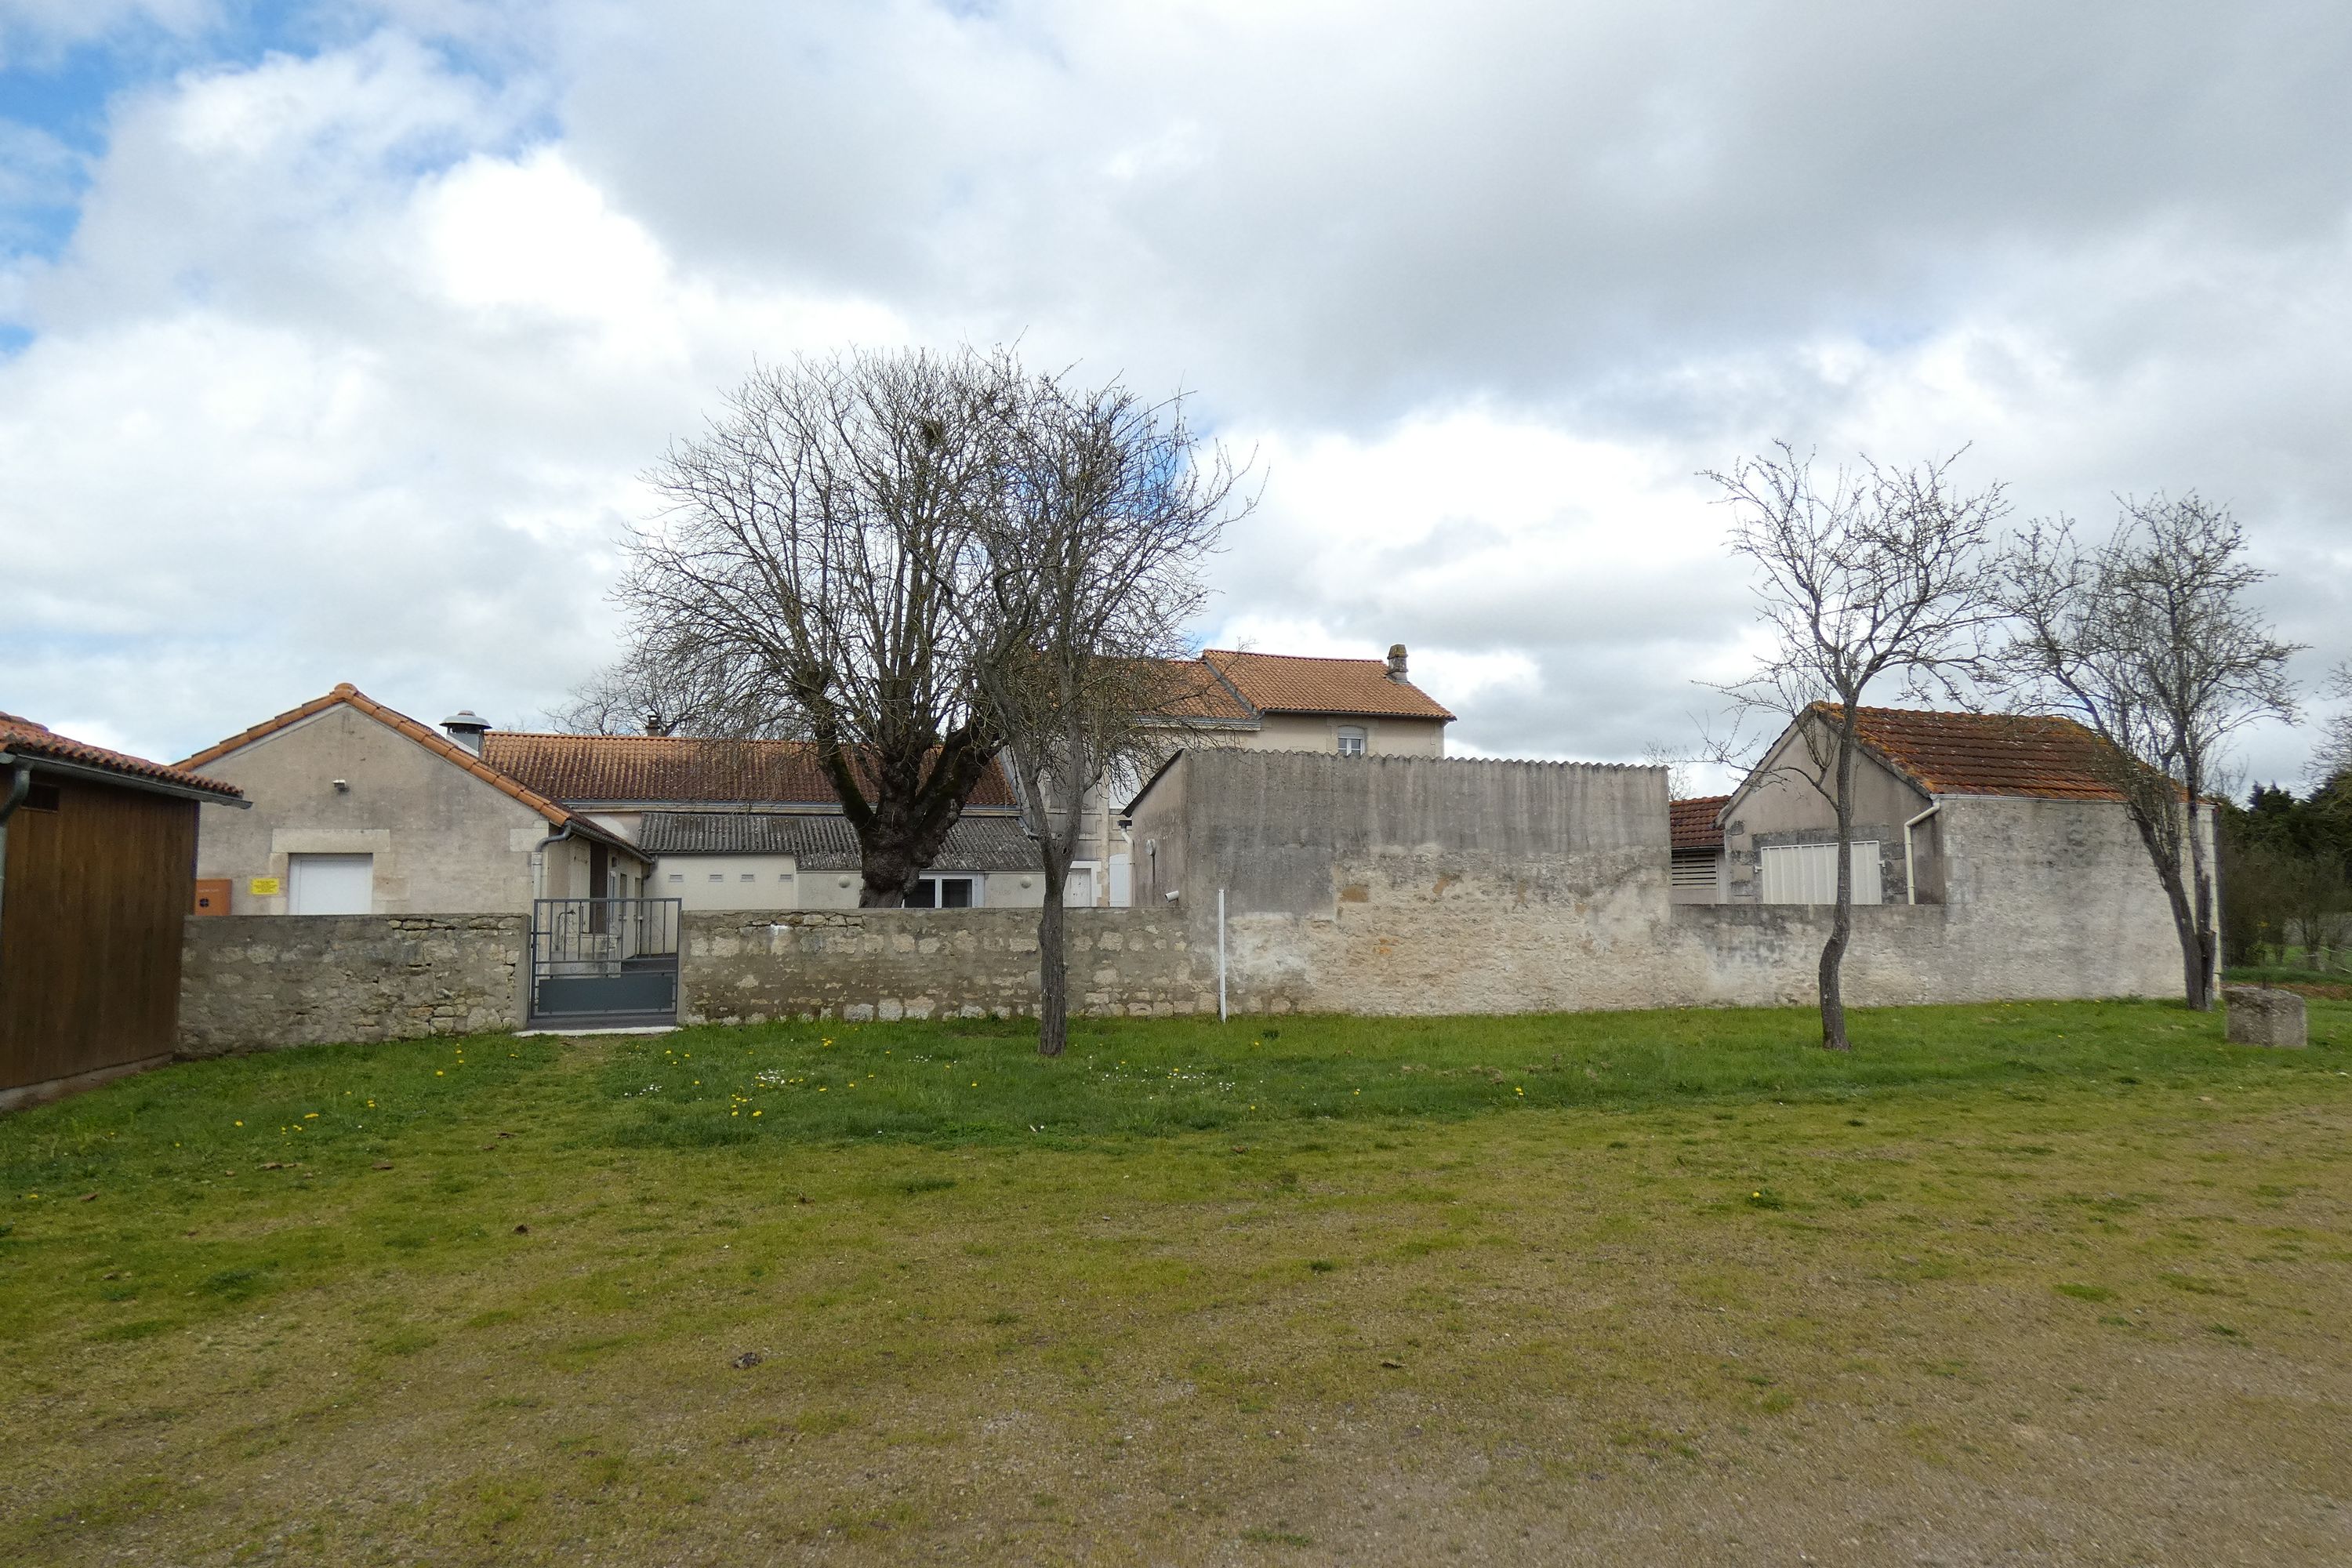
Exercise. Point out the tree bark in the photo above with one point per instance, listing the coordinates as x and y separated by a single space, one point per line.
1052 973
1832 972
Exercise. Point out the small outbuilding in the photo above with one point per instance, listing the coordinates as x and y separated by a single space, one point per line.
98 866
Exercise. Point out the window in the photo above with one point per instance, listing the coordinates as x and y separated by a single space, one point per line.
1352 741
1807 873
953 891
42 797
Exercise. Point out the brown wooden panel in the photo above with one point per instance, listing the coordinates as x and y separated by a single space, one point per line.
89 934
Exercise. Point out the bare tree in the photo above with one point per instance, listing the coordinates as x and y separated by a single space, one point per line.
1682 784
801 583
2148 640
1879 574
1114 506
2331 760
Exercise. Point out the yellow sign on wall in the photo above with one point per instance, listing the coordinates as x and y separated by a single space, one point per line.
264 888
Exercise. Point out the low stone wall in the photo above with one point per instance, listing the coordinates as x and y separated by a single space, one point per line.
861 964
258 982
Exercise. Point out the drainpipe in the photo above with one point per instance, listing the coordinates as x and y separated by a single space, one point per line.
20 785
1221 956
539 864
1910 874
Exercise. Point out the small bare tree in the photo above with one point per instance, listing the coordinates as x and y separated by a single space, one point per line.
2331 760
2149 640
803 579
1114 507
1879 574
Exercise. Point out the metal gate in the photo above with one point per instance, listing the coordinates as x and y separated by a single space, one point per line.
604 963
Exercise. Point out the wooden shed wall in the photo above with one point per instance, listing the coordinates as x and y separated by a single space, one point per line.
96 895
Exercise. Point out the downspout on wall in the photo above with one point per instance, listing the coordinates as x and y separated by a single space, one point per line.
1910 867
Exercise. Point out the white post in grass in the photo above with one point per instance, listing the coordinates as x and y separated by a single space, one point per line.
1221 956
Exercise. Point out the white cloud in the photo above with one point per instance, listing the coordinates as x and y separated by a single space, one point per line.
355 356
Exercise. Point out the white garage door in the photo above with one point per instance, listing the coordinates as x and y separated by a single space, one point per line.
331 884
1807 873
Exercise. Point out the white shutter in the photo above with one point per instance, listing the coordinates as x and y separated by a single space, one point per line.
1122 882
1807 873
331 884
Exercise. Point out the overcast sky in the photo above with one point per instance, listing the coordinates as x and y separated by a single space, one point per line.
334 337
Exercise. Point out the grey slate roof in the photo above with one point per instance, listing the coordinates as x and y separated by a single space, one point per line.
822 841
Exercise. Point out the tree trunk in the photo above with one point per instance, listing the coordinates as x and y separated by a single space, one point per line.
1052 973
2203 925
2196 960
1832 975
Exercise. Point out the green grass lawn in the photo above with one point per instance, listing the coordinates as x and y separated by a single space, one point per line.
2047 1282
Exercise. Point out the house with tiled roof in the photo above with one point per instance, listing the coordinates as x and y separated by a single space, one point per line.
360 809
98 853
756 824
1288 702
1925 782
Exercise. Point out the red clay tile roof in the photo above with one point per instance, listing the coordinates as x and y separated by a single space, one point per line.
1283 683
1192 691
682 769
1690 824
1990 753
26 738
432 739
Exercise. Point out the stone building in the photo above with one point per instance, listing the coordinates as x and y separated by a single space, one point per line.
1779 828
359 809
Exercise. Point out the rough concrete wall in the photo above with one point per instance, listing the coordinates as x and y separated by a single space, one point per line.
1304 833
1403 886
443 840
861 964
253 983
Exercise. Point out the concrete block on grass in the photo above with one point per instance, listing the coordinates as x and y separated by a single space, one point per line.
2261 1016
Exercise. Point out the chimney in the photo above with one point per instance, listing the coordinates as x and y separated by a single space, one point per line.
656 724
466 728
1396 661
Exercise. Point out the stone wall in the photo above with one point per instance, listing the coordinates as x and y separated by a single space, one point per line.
1400 885
861 964
258 981
1363 885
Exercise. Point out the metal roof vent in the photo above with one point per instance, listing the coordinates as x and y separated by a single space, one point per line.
466 728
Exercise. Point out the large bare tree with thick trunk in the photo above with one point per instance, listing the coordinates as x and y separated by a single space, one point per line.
2150 639
1879 574
803 578
1096 577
